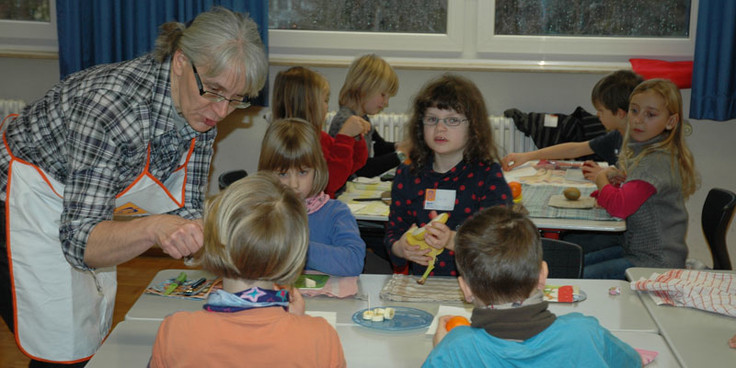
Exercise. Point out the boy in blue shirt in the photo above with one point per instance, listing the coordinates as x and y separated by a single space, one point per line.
499 257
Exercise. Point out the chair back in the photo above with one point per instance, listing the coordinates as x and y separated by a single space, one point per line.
564 259
718 211
229 177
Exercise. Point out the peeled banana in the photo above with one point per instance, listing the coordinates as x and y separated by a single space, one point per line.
416 237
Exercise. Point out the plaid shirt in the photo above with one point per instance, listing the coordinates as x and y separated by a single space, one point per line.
91 132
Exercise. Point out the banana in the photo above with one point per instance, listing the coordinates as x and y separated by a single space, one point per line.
416 237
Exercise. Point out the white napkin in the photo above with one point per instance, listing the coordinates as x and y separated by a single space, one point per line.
448 310
331 317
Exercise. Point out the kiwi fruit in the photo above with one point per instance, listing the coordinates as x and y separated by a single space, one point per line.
572 193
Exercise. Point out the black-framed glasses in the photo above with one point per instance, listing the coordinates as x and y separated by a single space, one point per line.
451 121
216 97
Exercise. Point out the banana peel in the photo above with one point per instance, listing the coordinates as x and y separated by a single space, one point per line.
416 237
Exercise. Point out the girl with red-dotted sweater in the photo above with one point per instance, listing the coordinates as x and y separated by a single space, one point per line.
454 168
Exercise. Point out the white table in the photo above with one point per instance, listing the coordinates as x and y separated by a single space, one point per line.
131 342
377 211
623 312
698 338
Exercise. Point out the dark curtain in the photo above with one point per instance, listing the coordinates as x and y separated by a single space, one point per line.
95 32
714 67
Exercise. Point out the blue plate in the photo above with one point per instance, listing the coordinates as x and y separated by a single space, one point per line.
405 318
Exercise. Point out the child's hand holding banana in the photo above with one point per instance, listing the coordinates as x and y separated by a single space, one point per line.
418 237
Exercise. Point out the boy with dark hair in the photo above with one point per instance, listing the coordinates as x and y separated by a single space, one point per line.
499 257
610 97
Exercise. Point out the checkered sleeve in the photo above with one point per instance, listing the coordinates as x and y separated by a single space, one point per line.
101 125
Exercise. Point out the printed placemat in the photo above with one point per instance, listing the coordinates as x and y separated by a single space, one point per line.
559 200
404 288
537 197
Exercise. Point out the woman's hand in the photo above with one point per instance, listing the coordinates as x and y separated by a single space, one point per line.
177 236
403 249
355 126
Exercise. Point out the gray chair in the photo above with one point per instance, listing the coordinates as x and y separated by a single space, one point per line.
718 211
229 177
564 259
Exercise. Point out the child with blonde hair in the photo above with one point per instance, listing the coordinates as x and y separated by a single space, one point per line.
303 93
256 239
369 84
454 169
656 175
291 149
499 256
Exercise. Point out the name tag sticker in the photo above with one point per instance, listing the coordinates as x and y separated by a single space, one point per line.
439 199
550 121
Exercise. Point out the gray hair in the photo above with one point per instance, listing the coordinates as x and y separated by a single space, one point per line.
222 40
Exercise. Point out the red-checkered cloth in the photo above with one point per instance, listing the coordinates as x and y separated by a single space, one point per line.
710 291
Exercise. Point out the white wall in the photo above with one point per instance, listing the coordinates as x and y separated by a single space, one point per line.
239 138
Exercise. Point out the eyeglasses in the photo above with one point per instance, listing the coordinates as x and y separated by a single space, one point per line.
216 97
452 121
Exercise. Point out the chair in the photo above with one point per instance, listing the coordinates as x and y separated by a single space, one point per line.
564 259
230 177
717 214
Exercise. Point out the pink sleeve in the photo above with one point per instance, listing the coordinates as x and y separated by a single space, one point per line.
623 201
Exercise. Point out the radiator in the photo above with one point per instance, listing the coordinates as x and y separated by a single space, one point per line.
8 107
391 127
508 139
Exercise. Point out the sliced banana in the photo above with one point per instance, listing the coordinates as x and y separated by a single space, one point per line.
377 311
377 317
388 313
368 315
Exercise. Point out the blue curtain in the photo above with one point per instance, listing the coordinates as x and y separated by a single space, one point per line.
95 32
714 67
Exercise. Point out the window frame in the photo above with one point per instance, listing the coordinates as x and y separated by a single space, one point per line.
468 45
300 43
30 37
592 49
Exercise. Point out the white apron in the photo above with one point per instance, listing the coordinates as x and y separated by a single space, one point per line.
62 314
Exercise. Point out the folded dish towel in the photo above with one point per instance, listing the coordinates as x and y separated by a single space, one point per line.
709 291
404 288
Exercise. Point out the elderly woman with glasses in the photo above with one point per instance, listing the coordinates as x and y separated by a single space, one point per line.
133 138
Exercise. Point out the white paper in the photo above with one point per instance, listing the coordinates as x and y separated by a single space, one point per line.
331 317
520 172
445 310
575 175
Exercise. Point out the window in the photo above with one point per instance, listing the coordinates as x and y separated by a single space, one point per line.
538 33
348 27
594 30
398 16
28 26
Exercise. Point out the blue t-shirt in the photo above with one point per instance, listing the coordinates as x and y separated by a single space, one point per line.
573 340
